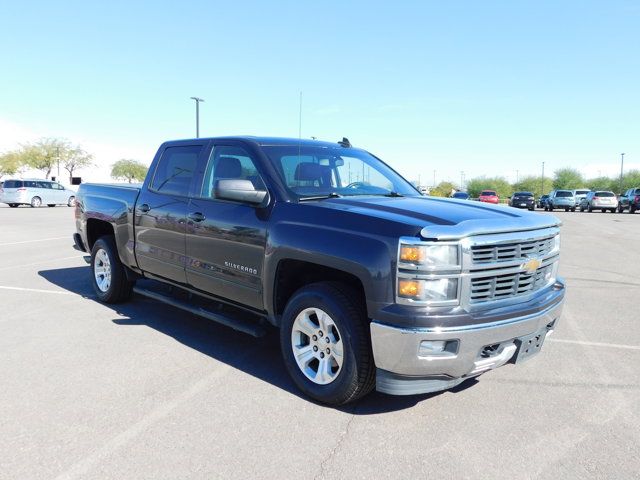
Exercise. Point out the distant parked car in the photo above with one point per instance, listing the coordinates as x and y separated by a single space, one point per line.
489 196
629 200
36 193
523 200
542 201
579 194
461 196
561 199
599 200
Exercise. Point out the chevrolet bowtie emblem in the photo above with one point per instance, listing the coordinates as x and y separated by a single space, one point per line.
531 266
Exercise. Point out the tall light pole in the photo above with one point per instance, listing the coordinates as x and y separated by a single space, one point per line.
542 181
198 100
461 180
621 170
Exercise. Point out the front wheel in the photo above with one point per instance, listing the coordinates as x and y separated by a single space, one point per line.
71 202
109 278
632 209
326 345
620 209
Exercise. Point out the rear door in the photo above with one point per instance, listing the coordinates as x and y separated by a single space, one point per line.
226 239
161 211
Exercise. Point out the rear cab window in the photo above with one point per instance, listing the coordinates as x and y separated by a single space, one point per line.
488 192
564 193
13 184
603 194
175 170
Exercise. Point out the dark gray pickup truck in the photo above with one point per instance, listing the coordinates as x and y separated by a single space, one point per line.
371 284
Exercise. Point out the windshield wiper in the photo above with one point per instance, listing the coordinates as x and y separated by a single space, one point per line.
320 197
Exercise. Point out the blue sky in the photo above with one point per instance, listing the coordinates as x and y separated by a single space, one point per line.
485 87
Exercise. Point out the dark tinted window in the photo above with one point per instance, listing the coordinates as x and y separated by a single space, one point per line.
564 193
582 192
461 195
13 184
229 162
603 194
523 194
175 170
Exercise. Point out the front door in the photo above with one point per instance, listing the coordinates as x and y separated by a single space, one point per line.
225 239
161 212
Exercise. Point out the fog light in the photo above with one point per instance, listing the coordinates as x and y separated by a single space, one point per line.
438 348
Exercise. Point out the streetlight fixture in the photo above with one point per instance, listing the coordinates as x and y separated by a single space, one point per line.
621 170
198 100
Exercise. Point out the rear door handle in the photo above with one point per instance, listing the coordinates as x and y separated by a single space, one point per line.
196 216
144 208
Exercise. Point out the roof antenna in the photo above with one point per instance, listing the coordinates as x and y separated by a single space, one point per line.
345 143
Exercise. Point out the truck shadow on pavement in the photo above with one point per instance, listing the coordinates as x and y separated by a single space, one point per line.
258 357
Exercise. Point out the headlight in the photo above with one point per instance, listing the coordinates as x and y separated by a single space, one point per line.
429 290
556 243
431 257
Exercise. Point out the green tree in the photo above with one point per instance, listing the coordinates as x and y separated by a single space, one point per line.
476 185
129 170
534 184
602 183
631 179
443 189
568 179
44 154
10 163
74 158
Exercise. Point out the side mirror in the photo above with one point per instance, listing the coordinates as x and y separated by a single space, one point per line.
239 191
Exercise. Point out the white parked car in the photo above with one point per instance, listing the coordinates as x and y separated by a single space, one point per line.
36 192
599 200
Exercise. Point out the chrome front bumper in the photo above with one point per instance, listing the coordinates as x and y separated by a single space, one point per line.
403 368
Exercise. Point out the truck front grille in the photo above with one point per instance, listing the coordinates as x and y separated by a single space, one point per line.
498 287
481 254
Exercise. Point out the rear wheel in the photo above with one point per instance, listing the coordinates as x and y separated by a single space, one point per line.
109 278
581 208
632 209
326 345
620 209
573 209
589 208
36 202
613 210
13 205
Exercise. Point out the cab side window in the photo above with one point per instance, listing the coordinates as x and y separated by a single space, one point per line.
175 170
229 162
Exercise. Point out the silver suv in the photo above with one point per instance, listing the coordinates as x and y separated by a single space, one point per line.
36 193
599 200
579 194
561 199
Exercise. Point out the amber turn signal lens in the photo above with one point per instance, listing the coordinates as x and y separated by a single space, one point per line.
411 254
409 288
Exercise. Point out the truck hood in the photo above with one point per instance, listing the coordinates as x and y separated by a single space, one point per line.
442 218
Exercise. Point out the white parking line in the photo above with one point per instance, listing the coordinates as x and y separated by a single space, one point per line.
36 290
53 260
595 344
37 240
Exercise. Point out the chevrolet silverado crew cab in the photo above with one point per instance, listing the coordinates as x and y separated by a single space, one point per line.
371 284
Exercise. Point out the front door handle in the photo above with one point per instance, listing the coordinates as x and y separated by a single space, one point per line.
144 208
196 216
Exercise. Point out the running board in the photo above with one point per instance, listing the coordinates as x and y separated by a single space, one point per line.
238 324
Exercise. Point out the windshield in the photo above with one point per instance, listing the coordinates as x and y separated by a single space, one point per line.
310 171
564 194
523 194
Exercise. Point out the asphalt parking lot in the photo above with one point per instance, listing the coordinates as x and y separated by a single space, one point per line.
145 391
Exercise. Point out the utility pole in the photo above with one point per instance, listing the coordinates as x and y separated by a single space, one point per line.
542 181
198 100
461 180
621 169
58 156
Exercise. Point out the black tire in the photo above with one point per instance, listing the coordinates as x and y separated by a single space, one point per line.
573 209
582 209
632 209
72 201
13 205
620 209
531 209
356 377
566 209
613 210
589 208
36 202
119 289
